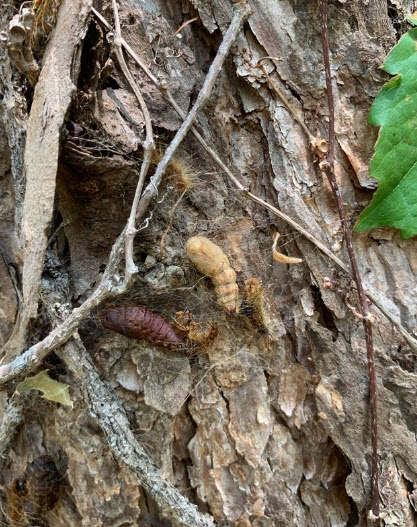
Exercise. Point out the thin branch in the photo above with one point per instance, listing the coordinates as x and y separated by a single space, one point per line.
113 420
328 167
128 49
148 148
318 145
32 358
184 25
162 87
110 284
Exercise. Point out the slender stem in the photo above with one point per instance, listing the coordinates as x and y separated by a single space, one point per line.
184 25
126 46
241 14
364 305
32 358
286 102
148 148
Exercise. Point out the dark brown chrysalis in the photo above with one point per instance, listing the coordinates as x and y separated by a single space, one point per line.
34 493
139 322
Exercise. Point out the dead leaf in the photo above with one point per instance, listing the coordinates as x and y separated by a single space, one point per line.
52 390
279 257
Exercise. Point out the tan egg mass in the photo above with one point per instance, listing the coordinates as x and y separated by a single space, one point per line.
211 261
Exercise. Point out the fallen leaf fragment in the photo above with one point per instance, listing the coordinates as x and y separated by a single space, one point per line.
279 257
52 390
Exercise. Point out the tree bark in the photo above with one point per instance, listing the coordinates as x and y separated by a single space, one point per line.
268 424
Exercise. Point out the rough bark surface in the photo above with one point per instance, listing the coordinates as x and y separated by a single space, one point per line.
257 429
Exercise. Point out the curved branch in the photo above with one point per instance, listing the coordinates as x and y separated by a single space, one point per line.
148 148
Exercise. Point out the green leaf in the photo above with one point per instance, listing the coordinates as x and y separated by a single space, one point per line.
394 162
52 390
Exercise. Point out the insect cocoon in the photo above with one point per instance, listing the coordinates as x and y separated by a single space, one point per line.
199 336
211 261
181 173
139 322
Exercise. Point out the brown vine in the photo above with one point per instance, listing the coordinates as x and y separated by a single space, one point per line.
328 168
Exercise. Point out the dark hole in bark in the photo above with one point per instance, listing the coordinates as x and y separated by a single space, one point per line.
110 82
55 366
90 56
325 315
396 19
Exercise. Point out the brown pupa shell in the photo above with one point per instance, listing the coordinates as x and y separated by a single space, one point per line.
139 322
34 493
198 335
211 261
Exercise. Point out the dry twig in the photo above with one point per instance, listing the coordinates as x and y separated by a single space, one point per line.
318 145
284 100
184 25
241 14
148 148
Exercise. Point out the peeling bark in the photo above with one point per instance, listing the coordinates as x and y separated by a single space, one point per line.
51 101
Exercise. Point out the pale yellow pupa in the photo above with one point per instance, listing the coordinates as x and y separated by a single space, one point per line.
211 261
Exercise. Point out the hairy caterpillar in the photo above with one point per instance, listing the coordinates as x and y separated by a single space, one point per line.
34 493
211 261
140 322
180 172
252 305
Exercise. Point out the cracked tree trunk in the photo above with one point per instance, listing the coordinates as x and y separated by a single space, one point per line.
259 428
